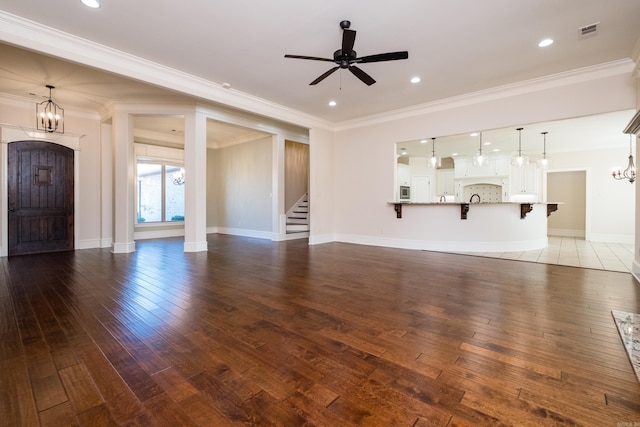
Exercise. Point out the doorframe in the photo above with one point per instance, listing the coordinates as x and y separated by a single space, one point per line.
587 196
10 133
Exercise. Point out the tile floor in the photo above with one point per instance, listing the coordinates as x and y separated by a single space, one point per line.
575 252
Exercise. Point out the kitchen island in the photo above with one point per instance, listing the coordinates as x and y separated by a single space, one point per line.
480 227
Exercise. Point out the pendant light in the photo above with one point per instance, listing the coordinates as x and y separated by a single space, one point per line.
630 172
479 159
49 115
520 159
434 161
544 161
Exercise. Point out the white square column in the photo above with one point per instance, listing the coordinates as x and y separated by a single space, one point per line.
123 182
195 175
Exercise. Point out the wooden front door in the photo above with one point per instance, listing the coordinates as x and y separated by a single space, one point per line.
40 197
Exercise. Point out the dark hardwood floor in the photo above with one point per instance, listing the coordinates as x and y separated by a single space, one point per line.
260 333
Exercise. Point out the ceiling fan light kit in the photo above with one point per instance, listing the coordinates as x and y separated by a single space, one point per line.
346 57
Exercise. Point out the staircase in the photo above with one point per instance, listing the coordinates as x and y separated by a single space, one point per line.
298 216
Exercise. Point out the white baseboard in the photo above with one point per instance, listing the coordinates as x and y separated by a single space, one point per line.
89 244
123 248
319 240
635 270
195 246
158 234
444 246
613 238
562 232
245 233
106 242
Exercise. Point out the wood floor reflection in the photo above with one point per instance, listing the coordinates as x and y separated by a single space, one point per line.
255 332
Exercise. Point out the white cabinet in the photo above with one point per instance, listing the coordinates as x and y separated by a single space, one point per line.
502 166
465 168
525 179
445 182
404 174
420 189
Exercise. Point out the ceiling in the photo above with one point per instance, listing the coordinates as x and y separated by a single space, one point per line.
456 47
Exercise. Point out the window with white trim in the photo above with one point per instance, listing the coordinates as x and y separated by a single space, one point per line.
160 191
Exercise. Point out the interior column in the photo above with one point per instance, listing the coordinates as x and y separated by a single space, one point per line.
123 182
279 226
195 173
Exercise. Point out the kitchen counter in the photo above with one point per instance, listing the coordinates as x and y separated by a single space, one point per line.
525 207
474 227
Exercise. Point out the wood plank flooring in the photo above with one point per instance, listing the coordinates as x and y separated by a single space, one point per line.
254 332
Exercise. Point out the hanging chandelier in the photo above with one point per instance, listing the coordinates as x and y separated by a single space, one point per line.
520 159
434 161
178 177
478 160
544 161
630 172
49 115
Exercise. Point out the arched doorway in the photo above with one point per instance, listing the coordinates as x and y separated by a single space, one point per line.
40 197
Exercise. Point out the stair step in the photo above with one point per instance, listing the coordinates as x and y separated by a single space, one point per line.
293 228
297 215
299 210
297 221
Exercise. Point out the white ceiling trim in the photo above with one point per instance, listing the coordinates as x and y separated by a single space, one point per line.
614 68
34 36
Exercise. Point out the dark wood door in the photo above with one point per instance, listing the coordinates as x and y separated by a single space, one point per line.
40 196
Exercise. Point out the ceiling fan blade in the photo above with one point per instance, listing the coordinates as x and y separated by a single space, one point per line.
313 58
391 56
324 76
366 78
348 39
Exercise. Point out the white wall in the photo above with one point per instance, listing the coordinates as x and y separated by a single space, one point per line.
364 165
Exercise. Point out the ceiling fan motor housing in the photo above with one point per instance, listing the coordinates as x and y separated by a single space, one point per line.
344 60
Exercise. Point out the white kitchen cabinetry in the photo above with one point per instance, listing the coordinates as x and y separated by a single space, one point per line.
464 168
502 166
525 179
445 182
420 189
404 174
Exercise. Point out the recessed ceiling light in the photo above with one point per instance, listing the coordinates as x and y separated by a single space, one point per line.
332 103
454 154
94 4
226 85
495 150
545 43
423 141
415 79
473 134
486 143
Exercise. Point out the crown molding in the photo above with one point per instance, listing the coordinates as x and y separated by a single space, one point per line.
613 68
40 38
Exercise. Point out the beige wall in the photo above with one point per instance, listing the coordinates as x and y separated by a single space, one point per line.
239 186
570 188
296 172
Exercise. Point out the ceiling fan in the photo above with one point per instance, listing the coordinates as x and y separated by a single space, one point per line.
347 57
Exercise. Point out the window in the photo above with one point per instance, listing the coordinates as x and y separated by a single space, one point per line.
160 195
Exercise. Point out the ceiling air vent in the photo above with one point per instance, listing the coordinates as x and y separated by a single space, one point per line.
589 30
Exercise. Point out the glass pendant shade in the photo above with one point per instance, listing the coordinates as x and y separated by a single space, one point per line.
434 161
519 158
545 160
479 158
